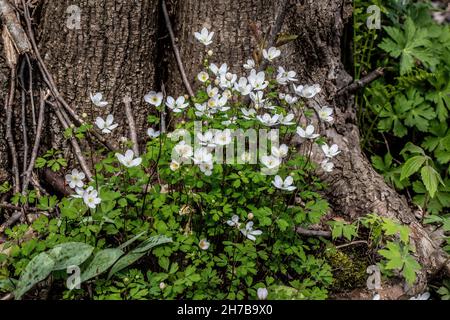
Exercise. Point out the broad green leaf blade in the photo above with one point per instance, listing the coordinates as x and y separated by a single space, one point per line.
410 268
412 166
125 261
151 242
37 270
430 180
126 244
101 262
70 254
138 253
8 284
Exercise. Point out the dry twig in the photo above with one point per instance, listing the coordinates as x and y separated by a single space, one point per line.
37 141
131 124
176 51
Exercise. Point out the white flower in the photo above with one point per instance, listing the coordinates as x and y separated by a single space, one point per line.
248 113
290 99
249 232
269 120
128 159
280 152
376 297
75 179
206 168
423 296
218 71
262 293
234 222
202 155
327 166
204 244
308 133
307 91
202 110
332 151
152 133
243 87
257 80
231 120
106 126
154 98
271 54
184 150
227 80
284 185
162 285
212 91
217 101
204 36
174 165
287 120
91 198
79 192
206 139
325 114
223 138
178 105
97 99
250 64
258 99
271 162
284 77
246 157
203 76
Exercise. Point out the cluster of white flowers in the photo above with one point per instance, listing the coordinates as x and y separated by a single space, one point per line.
89 195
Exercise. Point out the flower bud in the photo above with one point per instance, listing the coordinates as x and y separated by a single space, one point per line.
250 216
262 293
162 285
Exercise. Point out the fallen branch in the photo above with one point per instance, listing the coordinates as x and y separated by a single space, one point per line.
57 182
131 124
352 243
9 135
76 147
175 50
15 31
361 83
37 141
13 207
313 233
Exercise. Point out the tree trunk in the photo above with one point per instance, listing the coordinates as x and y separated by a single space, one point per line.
119 50
113 52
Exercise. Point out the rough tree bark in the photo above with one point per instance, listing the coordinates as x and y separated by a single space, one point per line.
117 52
113 52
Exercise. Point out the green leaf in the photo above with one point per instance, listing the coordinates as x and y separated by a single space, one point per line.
412 166
152 242
430 179
101 262
70 254
36 270
125 261
400 259
127 243
8 285
138 252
